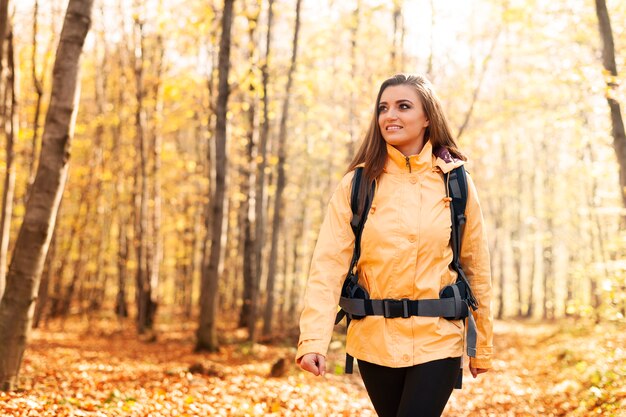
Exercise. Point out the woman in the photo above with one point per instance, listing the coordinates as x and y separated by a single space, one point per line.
409 365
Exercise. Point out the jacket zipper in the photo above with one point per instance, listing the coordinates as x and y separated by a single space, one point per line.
408 163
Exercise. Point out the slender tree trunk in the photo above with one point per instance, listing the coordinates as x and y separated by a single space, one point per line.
78 232
79 264
207 330
12 131
46 277
284 287
4 31
259 193
429 66
248 178
617 122
397 50
123 240
98 163
17 306
280 182
598 252
548 276
38 83
538 295
248 242
521 237
56 305
143 292
157 145
123 216
299 252
227 288
121 305
354 83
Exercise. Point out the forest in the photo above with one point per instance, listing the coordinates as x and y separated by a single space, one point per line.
166 165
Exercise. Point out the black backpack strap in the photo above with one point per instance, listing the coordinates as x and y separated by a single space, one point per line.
456 187
357 223
457 190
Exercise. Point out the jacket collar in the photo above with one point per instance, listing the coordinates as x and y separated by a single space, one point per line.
437 159
398 163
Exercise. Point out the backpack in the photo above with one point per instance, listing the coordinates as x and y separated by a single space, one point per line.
454 301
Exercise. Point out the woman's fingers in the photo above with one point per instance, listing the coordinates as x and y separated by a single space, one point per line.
476 371
314 363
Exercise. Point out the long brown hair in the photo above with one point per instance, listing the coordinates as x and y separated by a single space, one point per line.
373 149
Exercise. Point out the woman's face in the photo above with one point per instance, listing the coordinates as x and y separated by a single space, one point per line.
402 119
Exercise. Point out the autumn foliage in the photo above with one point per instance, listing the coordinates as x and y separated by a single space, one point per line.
102 369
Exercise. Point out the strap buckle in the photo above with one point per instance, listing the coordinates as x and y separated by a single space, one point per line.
396 308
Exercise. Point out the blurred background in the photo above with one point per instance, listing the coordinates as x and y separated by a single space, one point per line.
526 86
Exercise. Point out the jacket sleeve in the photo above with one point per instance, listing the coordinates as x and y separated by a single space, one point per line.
476 265
329 265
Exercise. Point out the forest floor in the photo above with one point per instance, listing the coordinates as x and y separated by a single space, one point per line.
541 369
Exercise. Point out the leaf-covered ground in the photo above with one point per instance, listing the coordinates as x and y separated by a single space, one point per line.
558 369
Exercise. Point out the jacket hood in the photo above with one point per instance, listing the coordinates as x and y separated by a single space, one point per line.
444 159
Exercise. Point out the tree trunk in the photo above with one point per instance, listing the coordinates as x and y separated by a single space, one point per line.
248 178
521 237
397 48
64 298
157 241
46 277
284 288
143 291
38 83
431 53
259 193
248 242
12 131
617 123
539 193
299 252
207 330
17 306
92 299
598 251
4 31
123 216
121 305
354 82
227 287
280 182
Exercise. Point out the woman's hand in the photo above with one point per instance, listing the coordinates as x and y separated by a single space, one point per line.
314 363
476 371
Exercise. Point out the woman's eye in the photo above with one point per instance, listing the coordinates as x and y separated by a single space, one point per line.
404 106
382 108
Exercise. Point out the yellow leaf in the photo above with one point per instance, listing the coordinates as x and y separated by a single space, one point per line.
275 407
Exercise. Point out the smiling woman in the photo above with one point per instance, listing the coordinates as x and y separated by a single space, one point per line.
402 119
404 260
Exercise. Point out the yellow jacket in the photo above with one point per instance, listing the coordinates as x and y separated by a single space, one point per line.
405 253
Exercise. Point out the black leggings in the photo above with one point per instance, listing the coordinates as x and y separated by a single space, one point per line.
417 391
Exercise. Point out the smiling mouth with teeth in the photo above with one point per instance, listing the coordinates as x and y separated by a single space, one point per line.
394 127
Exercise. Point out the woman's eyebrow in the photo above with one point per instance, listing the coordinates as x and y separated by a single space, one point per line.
398 101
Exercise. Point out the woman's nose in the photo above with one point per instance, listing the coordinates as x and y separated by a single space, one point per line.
391 114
